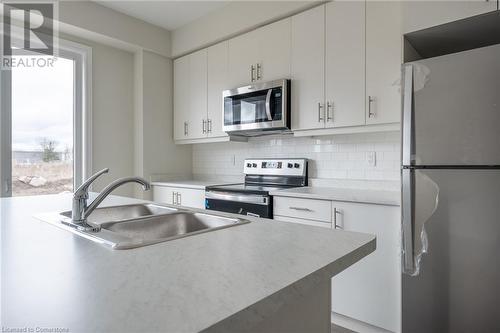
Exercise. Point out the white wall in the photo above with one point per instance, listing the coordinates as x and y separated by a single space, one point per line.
233 19
112 113
93 21
156 152
331 157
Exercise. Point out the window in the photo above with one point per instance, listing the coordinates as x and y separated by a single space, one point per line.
45 116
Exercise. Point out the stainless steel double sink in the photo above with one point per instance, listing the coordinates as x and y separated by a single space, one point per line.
136 225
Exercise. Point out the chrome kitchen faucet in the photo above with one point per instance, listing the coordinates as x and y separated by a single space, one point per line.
81 210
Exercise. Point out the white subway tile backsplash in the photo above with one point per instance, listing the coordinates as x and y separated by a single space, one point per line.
331 157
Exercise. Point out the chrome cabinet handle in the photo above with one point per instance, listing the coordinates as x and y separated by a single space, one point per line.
335 213
252 71
179 198
259 71
371 114
185 128
173 198
320 116
329 107
301 209
209 125
204 123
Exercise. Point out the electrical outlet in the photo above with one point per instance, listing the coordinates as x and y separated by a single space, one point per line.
371 158
234 160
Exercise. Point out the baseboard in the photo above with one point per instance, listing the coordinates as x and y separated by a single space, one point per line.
356 325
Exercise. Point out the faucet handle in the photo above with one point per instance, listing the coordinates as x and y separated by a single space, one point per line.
82 190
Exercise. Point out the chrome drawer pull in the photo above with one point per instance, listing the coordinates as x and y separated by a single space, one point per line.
301 209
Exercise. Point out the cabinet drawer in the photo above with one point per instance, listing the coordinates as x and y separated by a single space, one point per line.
303 221
319 210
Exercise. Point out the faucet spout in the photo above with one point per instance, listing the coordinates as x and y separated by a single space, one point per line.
81 210
110 188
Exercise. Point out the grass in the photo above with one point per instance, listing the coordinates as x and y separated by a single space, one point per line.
59 176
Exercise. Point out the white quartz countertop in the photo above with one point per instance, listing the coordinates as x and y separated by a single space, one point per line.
194 184
53 278
381 197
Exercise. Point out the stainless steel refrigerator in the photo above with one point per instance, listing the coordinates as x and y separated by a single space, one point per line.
451 193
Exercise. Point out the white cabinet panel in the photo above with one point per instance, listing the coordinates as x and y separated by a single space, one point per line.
217 77
198 94
181 96
163 194
319 210
274 51
179 196
370 290
383 61
243 53
327 225
345 63
191 198
423 14
308 69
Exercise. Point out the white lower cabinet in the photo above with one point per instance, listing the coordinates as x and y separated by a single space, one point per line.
180 196
370 290
367 295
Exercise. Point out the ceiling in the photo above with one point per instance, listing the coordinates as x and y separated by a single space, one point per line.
165 13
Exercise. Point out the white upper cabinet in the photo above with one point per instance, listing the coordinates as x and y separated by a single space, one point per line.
345 63
308 69
217 82
190 96
181 96
260 55
423 14
383 61
274 51
198 94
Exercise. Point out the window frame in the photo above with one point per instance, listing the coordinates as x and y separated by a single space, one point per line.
82 116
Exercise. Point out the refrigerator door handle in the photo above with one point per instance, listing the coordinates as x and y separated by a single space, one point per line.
407 117
407 229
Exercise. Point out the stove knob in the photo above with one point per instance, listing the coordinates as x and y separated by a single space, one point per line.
296 165
254 165
290 165
249 165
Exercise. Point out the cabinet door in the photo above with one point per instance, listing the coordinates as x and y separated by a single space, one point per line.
308 69
242 55
345 63
191 197
370 290
274 51
421 14
383 61
198 95
163 194
181 97
217 82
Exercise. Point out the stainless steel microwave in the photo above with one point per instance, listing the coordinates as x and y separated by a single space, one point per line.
257 109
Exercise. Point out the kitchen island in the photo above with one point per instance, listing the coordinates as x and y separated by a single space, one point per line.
260 276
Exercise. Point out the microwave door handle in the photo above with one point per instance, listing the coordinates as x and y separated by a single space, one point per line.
268 105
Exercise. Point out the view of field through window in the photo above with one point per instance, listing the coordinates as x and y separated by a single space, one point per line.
42 128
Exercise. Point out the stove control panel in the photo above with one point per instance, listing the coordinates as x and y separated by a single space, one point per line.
278 167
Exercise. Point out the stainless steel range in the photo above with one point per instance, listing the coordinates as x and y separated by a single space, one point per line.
261 176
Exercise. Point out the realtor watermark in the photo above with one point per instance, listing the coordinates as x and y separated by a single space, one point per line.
29 34
35 329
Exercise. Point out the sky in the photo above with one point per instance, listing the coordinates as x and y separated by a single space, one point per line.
42 105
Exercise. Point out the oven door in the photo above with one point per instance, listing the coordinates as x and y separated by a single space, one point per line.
262 106
236 203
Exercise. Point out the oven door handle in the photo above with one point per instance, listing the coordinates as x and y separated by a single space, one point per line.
268 105
245 198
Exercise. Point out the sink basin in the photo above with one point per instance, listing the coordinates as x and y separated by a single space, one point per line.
166 227
131 226
124 212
